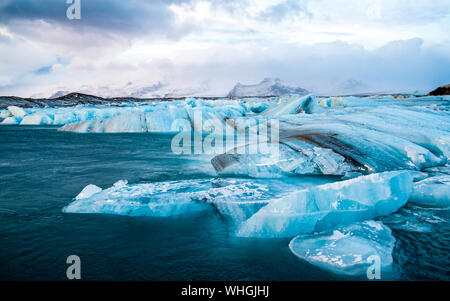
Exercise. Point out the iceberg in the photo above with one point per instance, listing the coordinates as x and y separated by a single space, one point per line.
350 250
12 120
16 111
282 160
326 206
375 145
232 198
88 191
4 114
169 121
433 191
158 199
293 104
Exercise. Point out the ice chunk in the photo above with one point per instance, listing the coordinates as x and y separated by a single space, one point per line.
4 114
158 199
16 111
172 198
375 144
327 206
350 250
12 120
293 104
88 191
281 159
120 183
234 199
434 191
37 118
171 120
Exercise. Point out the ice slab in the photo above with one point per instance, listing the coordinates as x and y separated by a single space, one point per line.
234 199
350 250
281 159
326 206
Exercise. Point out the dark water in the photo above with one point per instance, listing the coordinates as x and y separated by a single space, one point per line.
41 170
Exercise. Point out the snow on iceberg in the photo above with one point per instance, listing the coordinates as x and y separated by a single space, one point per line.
326 206
350 250
433 191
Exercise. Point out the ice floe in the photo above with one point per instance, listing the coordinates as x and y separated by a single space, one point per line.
326 206
350 250
234 199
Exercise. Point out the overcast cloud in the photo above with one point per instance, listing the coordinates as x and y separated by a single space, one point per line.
205 47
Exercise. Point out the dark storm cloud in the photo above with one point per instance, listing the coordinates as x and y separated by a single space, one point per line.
131 16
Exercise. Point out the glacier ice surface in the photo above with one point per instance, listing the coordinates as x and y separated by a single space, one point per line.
326 206
348 250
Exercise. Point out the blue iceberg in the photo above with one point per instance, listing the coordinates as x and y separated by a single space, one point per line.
326 206
348 250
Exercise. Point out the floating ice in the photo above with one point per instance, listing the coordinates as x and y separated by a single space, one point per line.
4 114
376 139
434 191
299 158
351 250
12 120
16 111
326 206
235 199
88 191
292 104
159 199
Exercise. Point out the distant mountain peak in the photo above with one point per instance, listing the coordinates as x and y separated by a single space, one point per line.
267 87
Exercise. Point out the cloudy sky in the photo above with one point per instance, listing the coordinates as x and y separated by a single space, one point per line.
203 47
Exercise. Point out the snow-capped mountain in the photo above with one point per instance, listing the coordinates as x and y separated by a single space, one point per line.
135 90
267 87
